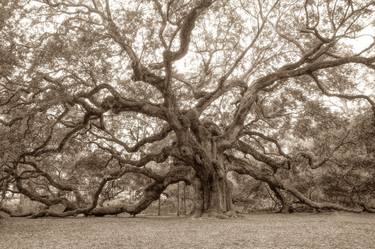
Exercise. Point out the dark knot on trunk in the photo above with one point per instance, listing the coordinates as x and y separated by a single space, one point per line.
186 151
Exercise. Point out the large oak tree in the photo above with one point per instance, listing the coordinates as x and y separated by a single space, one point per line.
92 91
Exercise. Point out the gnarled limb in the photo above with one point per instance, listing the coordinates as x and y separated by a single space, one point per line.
285 205
248 149
187 27
343 96
283 73
150 194
165 131
242 167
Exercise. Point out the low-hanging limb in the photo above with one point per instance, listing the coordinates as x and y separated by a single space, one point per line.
285 205
367 208
241 166
150 194
78 206
248 149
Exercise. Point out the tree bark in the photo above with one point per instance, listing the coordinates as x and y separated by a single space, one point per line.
184 199
212 197
284 203
178 199
159 206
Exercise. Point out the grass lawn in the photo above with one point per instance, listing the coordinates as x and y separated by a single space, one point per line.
334 230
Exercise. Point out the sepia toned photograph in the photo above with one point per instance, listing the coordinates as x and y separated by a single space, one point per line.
187 124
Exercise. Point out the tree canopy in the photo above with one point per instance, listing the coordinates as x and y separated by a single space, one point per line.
96 95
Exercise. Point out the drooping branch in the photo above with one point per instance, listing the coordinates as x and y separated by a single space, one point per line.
314 162
249 97
248 149
150 194
267 138
35 196
165 131
340 95
157 157
86 209
285 207
59 185
319 205
45 150
242 167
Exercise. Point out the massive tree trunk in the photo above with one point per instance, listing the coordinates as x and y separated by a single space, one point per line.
213 195
212 188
